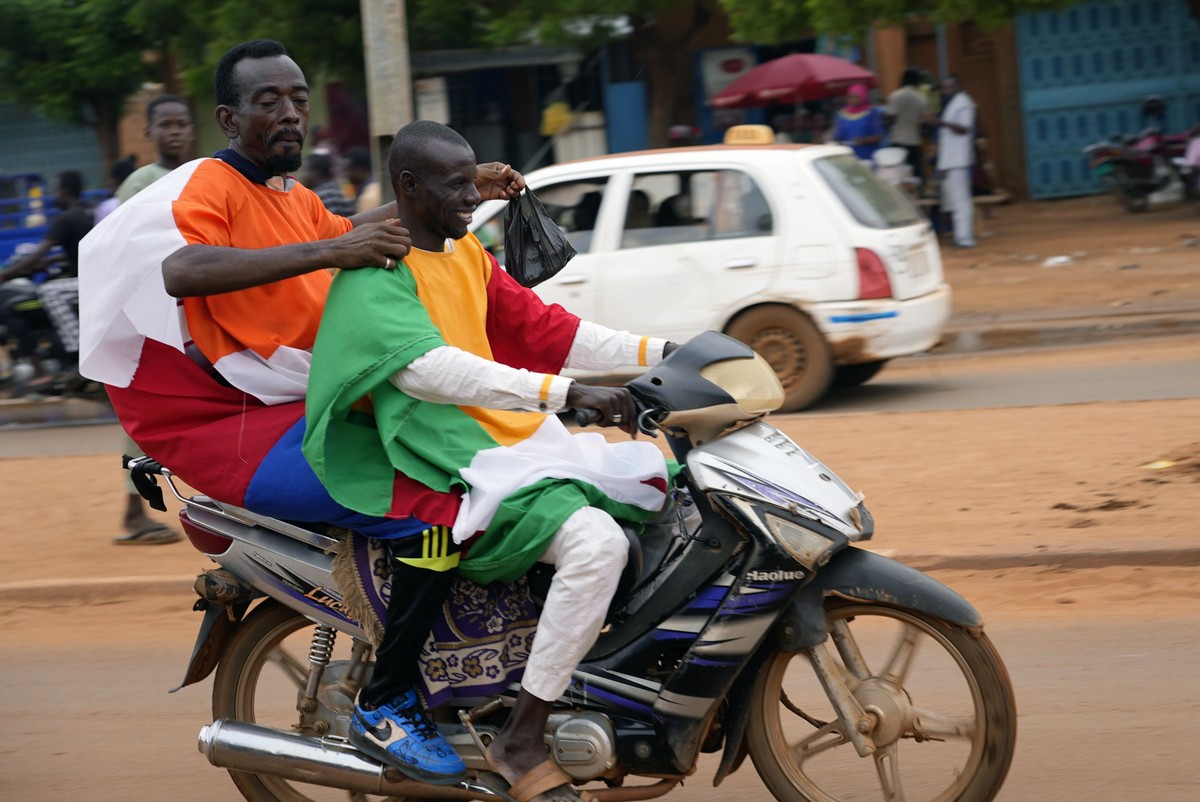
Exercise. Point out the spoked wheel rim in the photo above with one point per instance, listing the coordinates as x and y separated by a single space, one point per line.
927 699
262 686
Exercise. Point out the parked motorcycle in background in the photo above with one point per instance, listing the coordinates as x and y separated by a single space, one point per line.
1145 169
748 623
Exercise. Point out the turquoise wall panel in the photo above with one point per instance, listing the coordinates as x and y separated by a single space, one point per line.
1084 72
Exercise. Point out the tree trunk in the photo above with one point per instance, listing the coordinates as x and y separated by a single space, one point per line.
668 81
106 121
169 72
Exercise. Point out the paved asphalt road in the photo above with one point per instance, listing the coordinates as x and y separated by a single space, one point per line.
1137 370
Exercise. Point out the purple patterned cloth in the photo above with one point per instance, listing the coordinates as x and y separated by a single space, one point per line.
480 643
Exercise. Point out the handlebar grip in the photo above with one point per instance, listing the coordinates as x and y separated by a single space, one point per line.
143 465
588 417
142 471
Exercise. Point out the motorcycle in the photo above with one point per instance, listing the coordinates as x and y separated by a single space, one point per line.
32 343
748 622
1134 168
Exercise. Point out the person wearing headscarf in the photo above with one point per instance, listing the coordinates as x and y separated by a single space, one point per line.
859 124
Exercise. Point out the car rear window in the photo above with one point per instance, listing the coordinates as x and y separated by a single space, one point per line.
873 203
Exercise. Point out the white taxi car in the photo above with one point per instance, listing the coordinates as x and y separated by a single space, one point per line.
797 250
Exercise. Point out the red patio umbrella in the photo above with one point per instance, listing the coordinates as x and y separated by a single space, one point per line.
793 79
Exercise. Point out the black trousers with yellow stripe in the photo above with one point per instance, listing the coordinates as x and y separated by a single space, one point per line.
422 569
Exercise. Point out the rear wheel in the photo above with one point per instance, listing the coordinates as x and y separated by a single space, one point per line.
793 346
260 679
942 706
854 375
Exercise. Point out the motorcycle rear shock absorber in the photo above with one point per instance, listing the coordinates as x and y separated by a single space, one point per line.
319 655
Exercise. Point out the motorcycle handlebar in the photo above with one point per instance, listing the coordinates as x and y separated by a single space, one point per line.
588 417
593 417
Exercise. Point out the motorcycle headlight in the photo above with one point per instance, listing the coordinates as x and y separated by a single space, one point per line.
809 548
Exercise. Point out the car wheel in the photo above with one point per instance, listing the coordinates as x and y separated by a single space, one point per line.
854 375
794 346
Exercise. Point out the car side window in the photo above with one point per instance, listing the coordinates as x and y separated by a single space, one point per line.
574 206
739 208
666 208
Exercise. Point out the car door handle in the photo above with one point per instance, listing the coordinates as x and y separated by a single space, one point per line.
575 279
739 264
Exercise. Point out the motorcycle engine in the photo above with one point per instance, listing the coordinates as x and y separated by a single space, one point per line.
583 744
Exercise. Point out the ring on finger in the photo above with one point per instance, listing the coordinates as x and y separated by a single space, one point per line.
388 264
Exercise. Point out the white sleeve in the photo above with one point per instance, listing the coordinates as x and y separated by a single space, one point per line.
964 115
448 375
599 348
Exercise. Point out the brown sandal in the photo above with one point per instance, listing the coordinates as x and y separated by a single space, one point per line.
543 777
546 776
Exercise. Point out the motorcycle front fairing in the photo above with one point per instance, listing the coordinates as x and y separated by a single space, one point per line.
767 468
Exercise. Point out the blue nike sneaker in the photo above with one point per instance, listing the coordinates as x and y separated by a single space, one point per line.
400 735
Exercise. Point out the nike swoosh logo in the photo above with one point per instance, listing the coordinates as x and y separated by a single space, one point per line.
382 732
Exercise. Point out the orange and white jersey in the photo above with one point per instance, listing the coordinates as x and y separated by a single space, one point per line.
259 339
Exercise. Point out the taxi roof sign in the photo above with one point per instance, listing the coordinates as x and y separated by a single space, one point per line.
750 135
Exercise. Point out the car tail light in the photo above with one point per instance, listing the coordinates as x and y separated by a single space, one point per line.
873 281
203 540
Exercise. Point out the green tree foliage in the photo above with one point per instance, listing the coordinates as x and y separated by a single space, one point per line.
772 21
75 61
324 36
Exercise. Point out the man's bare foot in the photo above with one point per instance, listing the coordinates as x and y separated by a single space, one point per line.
527 772
520 756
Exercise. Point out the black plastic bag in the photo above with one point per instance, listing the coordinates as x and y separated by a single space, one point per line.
535 248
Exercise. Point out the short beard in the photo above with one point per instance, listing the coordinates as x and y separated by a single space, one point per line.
282 165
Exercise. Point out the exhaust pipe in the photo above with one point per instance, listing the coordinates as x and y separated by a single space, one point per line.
238 745
232 744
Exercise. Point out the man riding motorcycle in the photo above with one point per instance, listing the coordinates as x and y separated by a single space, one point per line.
459 364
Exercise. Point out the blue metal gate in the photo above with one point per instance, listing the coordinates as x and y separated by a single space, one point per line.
1084 73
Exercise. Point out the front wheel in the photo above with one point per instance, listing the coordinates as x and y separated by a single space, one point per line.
940 698
794 347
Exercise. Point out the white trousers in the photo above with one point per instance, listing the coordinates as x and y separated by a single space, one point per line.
956 199
589 553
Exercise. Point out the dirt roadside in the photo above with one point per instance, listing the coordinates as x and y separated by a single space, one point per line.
1049 258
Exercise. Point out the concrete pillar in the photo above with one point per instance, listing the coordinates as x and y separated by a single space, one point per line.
389 80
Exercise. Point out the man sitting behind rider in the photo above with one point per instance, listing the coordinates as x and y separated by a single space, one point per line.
453 369
213 385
